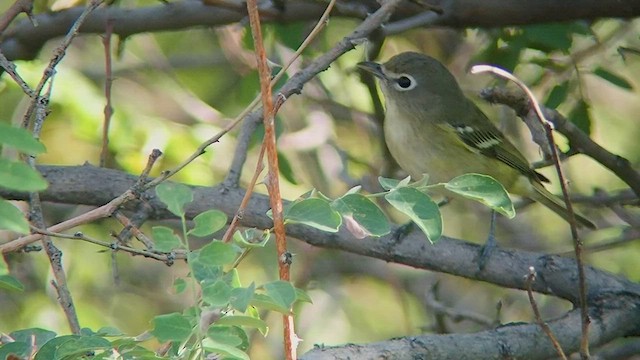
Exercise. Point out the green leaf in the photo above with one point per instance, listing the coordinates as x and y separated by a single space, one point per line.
613 78
229 335
78 347
4 267
20 139
18 349
49 349
218 253
290 35
264 301
201 269
250 238
580 116
8 282
362 217
241 297
208 222
420 209
557 95
302 296
171 327
179 285
175 196
233 278
165 240
228 352
41 336
246 321
484 189
217 294
285 169
390 184
314 212
282 293
19 176
12 219
552 36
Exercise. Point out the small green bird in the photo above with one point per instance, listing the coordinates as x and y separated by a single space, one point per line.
432 128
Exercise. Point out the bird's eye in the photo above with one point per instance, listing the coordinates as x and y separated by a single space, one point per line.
405 82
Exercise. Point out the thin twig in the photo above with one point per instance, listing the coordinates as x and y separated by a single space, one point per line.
228 235
20 6
577 242
108 108
273 181
166 258
58 55
529 279
240 155
10 68
102 212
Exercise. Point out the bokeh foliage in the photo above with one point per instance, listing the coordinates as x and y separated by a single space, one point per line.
173 90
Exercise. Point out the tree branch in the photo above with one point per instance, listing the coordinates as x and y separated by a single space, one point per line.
23 41
89 185
514 341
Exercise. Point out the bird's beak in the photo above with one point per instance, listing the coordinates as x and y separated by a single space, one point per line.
373 68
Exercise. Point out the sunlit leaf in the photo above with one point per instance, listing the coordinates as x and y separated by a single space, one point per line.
217 293
208 222
12 219
367 216
246 321
8 282
20 139
171 327
282 293
175 196
218 253
484 189
20 176
420 208
314 212
164 239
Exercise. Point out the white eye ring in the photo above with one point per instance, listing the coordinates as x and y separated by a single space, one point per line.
404 82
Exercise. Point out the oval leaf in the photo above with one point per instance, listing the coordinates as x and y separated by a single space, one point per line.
11 218
171 327
246 321
420 209
20 139
218 253
174 195
282 293
21 177
613 78
314 212
484 189
208 222
368 217
164 238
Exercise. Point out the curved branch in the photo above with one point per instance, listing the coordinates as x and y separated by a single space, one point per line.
577 138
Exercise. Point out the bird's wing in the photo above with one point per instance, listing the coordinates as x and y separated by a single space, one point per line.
483 137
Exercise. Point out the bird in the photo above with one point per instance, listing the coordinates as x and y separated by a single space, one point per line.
431 127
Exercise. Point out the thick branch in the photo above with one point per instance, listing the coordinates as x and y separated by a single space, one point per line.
516 341
23 41
88 185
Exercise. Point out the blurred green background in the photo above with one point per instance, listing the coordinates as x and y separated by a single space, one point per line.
173 90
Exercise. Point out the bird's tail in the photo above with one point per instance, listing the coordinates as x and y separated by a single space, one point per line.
554 203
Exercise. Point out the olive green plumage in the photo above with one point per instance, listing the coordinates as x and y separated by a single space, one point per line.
432 128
